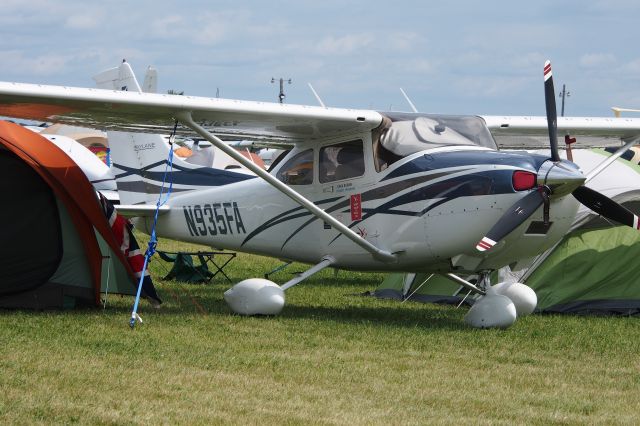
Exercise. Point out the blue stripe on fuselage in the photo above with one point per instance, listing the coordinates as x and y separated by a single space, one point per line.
471 183
443 160
202 176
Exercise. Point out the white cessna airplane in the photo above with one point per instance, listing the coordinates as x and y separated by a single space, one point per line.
358 189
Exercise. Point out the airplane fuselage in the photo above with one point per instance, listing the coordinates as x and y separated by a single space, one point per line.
430 208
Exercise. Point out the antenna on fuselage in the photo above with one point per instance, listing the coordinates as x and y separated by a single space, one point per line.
413 107
316 95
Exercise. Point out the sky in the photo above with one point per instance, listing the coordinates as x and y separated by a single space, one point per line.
451 57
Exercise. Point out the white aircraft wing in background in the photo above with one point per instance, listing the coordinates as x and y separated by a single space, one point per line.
517 132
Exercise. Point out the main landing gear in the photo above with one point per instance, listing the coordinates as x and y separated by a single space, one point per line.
257 296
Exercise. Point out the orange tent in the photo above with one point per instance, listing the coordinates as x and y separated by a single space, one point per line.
57 247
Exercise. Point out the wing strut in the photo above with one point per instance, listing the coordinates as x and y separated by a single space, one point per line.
383 255
613 157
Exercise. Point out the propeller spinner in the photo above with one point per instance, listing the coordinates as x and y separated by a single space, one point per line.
555 178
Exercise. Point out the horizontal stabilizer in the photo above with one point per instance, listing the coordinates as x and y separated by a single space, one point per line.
140 210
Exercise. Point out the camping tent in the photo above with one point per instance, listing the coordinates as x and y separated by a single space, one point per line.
57 249
591 270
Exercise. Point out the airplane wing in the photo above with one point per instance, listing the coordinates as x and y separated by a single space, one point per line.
266 122
150 112
514 132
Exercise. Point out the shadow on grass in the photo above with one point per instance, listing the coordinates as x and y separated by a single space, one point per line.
207 301
387 315
391 314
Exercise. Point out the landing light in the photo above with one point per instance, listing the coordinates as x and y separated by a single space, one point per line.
523 180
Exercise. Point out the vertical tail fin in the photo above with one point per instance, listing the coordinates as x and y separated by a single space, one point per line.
150 84
139 161
138 158
117 78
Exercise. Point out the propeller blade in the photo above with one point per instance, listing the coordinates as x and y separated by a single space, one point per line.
513 218
605 206
552 115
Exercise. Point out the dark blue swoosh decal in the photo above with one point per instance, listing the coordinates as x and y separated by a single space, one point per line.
373 194
203 176
283 217
479 183
442 160
483 183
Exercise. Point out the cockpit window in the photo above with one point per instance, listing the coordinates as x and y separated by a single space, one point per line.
298 170
341 161
403 134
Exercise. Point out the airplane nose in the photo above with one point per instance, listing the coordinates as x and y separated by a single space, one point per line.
562 177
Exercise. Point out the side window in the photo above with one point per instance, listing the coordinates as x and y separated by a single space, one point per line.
298 170
341 161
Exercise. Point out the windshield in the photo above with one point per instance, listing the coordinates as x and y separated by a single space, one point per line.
411 133
298 170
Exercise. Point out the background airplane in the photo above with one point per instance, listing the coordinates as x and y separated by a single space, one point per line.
197 152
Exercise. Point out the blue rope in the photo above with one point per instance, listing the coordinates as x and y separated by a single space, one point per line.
153 241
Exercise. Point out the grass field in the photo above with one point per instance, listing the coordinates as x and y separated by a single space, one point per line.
331 357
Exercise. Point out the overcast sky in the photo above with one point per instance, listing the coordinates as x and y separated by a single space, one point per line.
460 57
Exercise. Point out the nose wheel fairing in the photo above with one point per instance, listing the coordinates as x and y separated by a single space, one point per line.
501 304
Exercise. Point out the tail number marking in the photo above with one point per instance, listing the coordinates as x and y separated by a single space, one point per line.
213 219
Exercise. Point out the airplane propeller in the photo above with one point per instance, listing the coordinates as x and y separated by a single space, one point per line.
517 214
561 173
605 206
552 114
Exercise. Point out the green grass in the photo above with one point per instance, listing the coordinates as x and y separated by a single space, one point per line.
331 357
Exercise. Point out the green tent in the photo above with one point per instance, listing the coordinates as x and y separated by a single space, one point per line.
593 270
